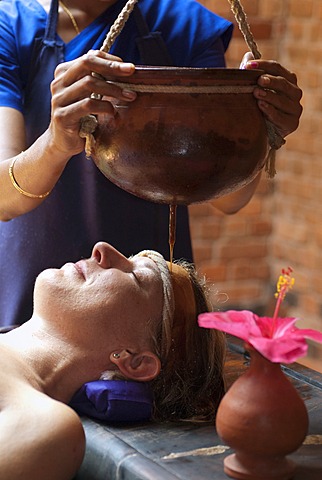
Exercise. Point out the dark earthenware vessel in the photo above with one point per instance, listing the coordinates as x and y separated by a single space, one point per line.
182 148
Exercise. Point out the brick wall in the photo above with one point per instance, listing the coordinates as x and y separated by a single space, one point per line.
282 225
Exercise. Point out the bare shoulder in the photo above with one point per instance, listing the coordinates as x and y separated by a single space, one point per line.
40 438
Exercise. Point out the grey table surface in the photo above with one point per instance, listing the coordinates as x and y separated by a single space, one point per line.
184 451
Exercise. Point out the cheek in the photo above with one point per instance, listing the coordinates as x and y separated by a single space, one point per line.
97 302
138 311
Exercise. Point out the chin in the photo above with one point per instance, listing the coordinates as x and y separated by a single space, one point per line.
47 277
49 290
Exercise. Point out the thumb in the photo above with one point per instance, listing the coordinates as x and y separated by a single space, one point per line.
246 58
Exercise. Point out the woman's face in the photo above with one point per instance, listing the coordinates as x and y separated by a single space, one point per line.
108 293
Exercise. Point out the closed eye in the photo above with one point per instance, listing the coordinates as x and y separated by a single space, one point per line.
136 278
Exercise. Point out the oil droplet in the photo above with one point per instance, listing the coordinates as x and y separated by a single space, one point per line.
172 231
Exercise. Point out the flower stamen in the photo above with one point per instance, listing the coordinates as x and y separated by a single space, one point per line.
284 284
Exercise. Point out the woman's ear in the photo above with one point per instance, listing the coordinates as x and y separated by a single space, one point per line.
142 367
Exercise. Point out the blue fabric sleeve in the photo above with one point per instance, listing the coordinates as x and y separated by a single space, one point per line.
20 23
9 67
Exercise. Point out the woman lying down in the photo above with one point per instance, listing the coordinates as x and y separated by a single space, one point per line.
128 316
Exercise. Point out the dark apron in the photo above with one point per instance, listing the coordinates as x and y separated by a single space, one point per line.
151 45
47 53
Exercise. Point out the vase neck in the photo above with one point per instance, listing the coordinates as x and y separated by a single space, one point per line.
258 360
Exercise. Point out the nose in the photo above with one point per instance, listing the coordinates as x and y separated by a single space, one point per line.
108 257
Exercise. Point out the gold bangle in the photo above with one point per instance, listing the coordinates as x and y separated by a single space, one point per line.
17 187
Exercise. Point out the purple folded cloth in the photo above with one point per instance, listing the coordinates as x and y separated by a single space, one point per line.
114 401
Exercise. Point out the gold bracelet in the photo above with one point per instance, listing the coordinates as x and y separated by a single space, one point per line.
17 187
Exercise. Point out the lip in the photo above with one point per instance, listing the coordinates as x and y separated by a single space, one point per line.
80 268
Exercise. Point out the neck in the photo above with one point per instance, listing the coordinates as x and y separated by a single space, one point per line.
84 13
48 362
89 9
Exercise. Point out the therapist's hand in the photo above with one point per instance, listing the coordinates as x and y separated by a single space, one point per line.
278 94
71 89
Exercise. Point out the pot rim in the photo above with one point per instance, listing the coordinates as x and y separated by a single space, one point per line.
187 75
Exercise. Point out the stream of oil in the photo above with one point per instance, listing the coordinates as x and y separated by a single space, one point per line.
172 230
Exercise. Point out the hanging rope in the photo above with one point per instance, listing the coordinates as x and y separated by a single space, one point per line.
118 25
89 123
244 27
276 141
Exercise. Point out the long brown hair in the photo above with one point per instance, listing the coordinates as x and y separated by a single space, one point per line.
190 384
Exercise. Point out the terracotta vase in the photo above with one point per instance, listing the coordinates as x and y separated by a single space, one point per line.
178 146
263 419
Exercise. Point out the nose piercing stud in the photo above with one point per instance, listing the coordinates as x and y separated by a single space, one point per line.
116 355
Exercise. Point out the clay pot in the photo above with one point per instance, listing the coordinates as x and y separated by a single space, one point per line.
262 418
181 148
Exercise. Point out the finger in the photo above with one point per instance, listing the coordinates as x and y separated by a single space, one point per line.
281 94
85 87
246 58
65 123
282 109
278 95
281 86
70 115
64 94
273 68
98 62
284 123
283 113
